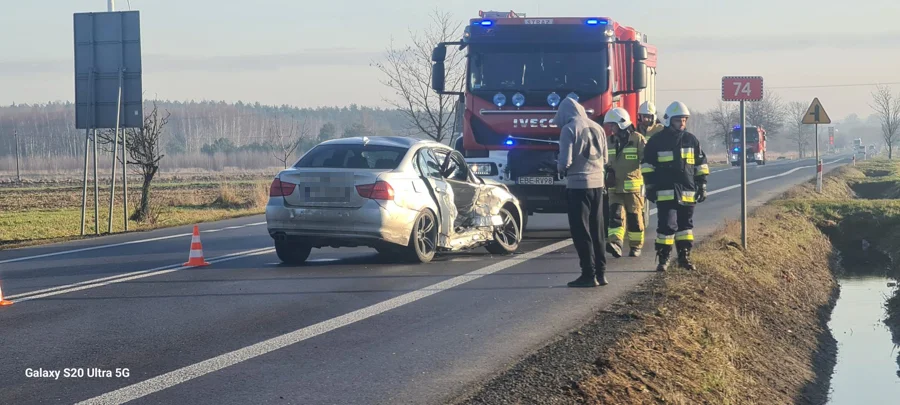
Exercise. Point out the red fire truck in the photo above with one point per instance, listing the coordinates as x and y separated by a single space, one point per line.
518 69
756 145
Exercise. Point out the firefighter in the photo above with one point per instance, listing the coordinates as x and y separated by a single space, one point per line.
625 183
648 125
582 158
675 171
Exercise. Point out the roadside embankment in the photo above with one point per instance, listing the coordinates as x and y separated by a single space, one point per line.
750 326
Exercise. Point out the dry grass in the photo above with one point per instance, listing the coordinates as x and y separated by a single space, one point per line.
750 326
743 329
37 215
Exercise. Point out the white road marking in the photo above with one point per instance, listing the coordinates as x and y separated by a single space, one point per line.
133 242
200 369
84 285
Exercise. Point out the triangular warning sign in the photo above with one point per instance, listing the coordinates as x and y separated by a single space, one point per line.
816 114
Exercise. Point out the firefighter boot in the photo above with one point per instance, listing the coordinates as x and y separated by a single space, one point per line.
614 249
662 257
635 252
684 259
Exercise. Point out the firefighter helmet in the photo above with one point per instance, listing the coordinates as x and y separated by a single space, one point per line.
647 108
676 109
618 116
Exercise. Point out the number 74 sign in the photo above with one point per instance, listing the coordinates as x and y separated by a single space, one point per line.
742 88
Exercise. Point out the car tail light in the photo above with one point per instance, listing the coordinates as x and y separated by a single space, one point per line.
281 188
380 190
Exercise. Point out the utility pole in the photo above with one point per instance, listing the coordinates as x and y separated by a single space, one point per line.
110 5
18 176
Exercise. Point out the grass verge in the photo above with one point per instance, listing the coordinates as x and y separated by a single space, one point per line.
31 216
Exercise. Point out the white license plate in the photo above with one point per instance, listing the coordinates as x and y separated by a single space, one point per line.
536 180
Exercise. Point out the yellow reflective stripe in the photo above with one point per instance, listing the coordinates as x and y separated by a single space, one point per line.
684 235
633 185
665 239
630 150
688 155
703 170
612 152
665 195
647 168
631 157
687 196
665 156
617 232
636 236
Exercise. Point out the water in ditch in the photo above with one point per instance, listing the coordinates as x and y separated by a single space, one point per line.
866 370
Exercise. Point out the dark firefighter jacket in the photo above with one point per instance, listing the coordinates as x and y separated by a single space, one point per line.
674 167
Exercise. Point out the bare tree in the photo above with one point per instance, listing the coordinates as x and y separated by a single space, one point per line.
143 152
887 108
284 139
722 120
799 132
769 113
408 74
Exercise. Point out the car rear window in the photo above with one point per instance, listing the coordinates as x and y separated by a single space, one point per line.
353 157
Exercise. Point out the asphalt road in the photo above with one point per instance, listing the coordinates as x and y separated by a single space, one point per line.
348 328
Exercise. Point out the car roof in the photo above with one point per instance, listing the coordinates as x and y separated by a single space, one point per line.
396 141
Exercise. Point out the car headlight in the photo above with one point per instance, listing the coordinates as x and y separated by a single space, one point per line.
518 99
499 99
553 99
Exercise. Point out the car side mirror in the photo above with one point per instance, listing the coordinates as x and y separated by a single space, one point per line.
639 52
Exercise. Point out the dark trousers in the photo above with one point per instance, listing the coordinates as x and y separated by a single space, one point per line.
675 227
586 224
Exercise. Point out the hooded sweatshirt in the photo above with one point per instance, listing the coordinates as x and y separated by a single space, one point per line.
582 147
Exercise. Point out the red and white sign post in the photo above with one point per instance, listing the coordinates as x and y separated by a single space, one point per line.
743 89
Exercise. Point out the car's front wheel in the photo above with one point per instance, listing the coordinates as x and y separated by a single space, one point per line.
423 238
292 253
506 236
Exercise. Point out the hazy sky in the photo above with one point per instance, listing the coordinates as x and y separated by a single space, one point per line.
310 53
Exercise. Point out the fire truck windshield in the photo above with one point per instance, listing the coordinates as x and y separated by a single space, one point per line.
752 135
534 68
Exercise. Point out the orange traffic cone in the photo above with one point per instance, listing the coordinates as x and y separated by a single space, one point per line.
4 302
196 257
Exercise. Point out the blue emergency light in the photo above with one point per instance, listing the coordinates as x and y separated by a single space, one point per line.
594 21
487 23
737 149
509 142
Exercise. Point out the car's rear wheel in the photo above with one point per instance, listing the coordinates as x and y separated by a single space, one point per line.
292 253
506 237
423 238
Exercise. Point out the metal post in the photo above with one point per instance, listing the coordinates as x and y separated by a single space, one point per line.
110 5
96 188
743 176
87 144
112 187
18 176
818 163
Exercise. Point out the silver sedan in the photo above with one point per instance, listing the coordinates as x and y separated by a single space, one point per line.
405 197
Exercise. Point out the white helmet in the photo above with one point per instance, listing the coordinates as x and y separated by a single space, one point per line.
647 108
676 109
618 116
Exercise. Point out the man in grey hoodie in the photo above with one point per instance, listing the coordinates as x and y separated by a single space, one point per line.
582 160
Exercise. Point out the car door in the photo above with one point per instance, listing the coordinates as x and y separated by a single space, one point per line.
457 174
430 170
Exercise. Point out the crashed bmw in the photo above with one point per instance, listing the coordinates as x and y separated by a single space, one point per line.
407 198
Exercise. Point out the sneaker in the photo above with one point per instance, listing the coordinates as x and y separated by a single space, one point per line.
635 252
584 282
614 249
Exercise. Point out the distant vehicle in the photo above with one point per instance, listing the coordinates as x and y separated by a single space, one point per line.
405 197
756 146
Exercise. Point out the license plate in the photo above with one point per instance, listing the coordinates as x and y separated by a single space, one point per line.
536 180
